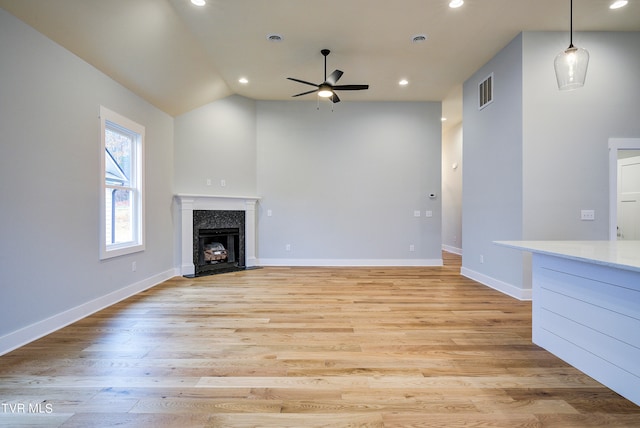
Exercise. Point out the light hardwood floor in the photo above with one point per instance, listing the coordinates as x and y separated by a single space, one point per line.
305 347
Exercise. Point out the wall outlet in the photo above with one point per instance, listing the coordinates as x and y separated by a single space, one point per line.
208 182
429 213
134 266
416 213
587 215
223 182
269 213
412 247
481 258
287 247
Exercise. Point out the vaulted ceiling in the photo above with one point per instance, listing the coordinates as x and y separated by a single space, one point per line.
179 56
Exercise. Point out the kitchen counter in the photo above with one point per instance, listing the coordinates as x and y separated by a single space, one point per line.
618 254
586 307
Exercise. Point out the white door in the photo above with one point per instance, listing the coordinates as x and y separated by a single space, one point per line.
629 198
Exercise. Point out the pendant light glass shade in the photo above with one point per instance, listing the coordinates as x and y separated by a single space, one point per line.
571 64
571 68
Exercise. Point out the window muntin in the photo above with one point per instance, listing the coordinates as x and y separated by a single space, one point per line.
122 204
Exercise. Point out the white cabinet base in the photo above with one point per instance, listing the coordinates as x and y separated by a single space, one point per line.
589 315
587 312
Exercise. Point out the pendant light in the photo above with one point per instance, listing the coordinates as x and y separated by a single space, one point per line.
571 64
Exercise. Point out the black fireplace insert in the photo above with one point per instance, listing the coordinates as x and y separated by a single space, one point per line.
218 241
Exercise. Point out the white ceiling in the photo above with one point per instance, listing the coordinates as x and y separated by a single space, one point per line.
179 56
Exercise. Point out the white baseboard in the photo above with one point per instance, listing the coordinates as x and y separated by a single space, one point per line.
187 269
350 262
28 334
450 249
496 284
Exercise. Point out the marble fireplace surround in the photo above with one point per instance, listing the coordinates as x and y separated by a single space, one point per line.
186 204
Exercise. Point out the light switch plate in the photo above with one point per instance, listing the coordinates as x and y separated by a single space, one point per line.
587 215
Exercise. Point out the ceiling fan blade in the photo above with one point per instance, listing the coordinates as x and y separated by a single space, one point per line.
350 87
303 81
335 98
334 77
305 93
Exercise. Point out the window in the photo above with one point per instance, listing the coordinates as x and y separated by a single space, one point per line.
122 201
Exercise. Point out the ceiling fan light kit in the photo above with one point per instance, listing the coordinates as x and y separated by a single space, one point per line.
328 88
571 64
618 4
325 91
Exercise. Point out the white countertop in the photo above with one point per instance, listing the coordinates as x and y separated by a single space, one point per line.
618 254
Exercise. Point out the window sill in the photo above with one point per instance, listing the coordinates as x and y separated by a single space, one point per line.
120 251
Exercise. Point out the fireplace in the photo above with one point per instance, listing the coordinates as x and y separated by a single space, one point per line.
218 241
220 214
218 249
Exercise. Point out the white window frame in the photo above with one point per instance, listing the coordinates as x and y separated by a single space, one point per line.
112 119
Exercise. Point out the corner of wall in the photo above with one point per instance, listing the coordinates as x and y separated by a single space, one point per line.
498 285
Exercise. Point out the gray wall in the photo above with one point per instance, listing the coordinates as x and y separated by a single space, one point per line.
452 239
565 134
344 185
541 155
492 175
49 181
217 142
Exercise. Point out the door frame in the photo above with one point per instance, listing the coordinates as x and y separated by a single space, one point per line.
616 144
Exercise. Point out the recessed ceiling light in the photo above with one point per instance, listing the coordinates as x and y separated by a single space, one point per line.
198 2
243 80
618 4
419 38
455 3
403 82
274 37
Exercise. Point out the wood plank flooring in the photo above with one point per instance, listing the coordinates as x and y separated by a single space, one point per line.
305 347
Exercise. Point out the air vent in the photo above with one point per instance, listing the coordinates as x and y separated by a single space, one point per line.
274 37
419 38
485 92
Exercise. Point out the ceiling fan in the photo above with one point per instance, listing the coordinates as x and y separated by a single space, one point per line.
327 88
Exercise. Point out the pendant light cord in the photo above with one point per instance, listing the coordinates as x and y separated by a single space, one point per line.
570 23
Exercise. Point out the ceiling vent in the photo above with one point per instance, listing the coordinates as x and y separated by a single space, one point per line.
485 92
274 37
419 38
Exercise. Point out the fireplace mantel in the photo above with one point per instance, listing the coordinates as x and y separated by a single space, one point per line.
187 203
